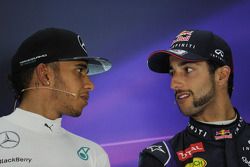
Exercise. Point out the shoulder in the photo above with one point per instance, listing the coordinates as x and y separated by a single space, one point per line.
99 154
178 138
247 127
83 141
246 131
158 153
243 123
5 123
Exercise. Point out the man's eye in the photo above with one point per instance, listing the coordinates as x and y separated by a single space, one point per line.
82 70
188 69
79 70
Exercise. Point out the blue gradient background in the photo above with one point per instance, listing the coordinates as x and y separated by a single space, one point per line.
131 107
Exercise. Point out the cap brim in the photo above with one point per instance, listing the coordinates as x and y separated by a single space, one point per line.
96 65
158 61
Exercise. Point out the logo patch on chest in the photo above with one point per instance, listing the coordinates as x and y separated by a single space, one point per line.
188 152
247 146
223 134
9 139
83 153
197 162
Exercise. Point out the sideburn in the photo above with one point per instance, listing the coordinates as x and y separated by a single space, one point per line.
208 96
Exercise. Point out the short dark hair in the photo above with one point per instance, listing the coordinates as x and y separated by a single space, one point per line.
21 80
213 67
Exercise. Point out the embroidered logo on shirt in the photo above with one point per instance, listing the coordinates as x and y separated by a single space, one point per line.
9 139
246 148
188 152
198 131
83 153
223 134
50 127
197 162
155 147
15 160
245 160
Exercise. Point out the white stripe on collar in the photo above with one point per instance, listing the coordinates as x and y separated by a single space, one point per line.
227 122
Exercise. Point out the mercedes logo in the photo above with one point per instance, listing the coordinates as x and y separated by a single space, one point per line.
81 43
9 139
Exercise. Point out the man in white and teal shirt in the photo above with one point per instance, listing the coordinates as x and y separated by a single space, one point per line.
50 75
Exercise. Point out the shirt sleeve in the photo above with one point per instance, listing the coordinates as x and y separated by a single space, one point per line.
107 163
157 155
103 161
147 160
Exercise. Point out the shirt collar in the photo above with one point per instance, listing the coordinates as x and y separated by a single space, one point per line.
35 122
216 132
227 122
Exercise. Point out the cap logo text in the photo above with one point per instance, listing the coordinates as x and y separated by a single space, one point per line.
32 60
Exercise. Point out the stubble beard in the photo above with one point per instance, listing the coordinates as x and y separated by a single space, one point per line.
64 100
199 103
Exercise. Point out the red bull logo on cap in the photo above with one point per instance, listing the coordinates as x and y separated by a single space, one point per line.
183 36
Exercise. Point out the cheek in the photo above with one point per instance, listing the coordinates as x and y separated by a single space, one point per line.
76 82
204 86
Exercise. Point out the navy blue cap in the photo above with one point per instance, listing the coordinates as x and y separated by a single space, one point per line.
54 44
193 45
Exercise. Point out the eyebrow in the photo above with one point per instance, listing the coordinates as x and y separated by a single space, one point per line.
183 63
82 65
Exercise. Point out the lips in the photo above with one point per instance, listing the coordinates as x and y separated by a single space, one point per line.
182 95
85 97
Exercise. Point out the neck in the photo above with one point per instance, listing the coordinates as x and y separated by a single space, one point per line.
39 104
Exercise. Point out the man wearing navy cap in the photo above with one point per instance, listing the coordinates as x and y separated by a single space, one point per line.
50 75
201 68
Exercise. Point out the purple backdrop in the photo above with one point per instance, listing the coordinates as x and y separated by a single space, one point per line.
131 107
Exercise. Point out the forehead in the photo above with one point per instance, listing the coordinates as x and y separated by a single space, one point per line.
175 61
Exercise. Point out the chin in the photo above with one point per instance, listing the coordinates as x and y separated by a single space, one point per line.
192 112
82 105
188 111
76 114
188 114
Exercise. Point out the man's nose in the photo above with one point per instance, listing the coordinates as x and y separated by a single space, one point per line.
88 84
177 82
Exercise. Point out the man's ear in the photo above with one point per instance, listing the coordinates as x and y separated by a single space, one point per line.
43 74
222 75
